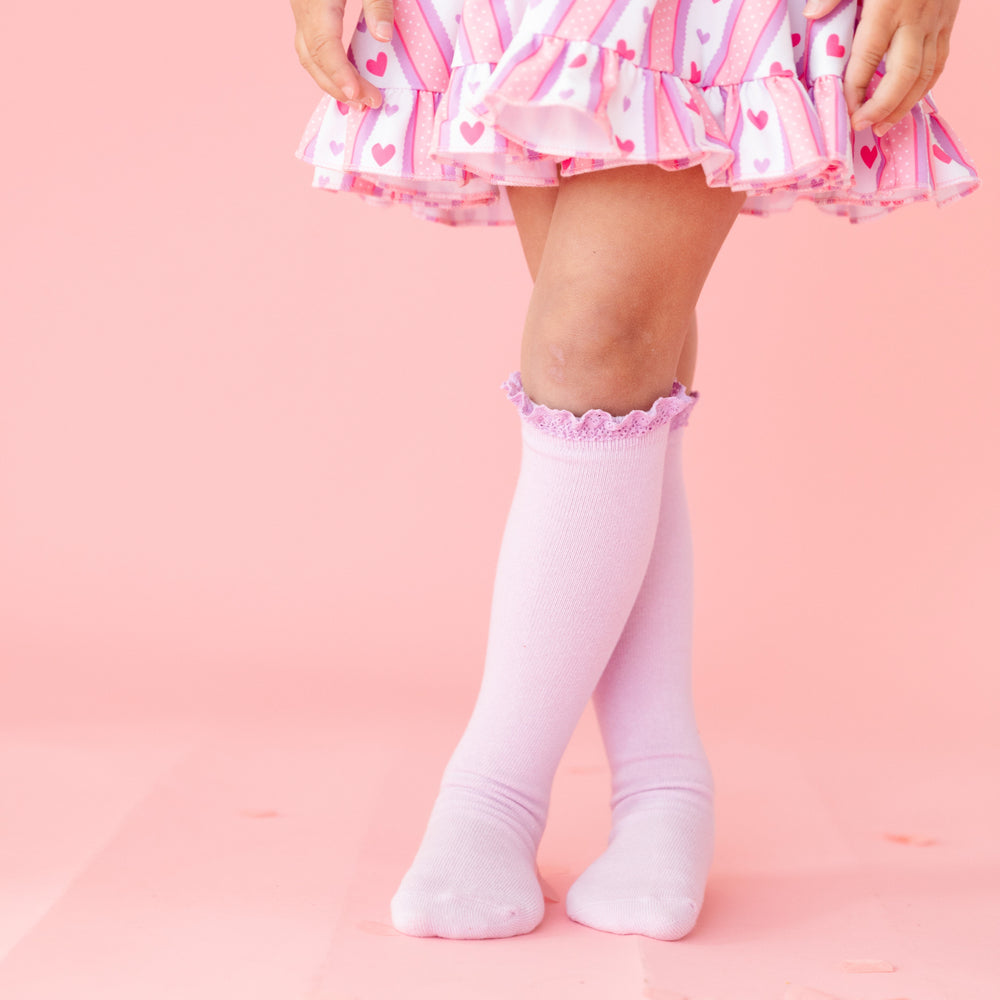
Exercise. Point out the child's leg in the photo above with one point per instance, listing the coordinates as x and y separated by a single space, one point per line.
651 878
626 254
533 208
575 551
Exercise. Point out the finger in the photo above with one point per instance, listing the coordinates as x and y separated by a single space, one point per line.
916 91
871 39
316 72
325 50
380 14
819 8
941 54
333 89
903 63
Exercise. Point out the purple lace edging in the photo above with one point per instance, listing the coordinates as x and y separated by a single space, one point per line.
681 419
673 409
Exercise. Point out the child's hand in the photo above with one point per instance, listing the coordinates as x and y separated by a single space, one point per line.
913 36
319 32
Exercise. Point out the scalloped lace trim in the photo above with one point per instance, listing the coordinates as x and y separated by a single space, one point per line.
673 409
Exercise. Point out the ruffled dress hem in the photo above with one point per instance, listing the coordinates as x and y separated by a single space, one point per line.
552 107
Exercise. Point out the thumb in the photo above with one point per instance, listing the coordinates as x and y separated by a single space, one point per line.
819 8
379 13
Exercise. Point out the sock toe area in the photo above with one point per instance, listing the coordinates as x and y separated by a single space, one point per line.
453 915
666 919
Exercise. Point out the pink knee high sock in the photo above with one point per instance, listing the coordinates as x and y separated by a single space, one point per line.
573 556
651 878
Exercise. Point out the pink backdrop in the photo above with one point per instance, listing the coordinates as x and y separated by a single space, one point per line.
254 468
253 447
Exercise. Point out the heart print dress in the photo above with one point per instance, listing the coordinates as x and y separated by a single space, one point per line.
480 94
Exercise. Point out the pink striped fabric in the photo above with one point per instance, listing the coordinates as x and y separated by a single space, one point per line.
480 94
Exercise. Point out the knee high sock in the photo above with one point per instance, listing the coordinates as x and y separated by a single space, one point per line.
651 878
573 556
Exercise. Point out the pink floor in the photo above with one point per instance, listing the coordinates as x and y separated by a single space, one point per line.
254 470
254 857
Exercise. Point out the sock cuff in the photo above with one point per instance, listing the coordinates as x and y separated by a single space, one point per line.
682 417
599 424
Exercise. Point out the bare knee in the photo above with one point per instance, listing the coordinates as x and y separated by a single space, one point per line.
626 255
588 352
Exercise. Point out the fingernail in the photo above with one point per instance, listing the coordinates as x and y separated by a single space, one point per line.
861 125
881 129
350 91
811 8
384 30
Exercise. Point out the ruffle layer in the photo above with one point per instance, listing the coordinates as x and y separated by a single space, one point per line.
449 154
673 409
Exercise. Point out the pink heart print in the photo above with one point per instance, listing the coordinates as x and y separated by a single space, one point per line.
472 133
336 147
578 61
796 38
383 154
759 118
343 108
377 66
940 153
695 73
623 50
704 36
868 154
567 93
625 145
762 165
626 103
833 46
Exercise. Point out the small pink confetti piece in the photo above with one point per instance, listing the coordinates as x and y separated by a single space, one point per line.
868 965
909 838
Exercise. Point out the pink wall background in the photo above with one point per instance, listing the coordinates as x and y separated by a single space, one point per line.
254 456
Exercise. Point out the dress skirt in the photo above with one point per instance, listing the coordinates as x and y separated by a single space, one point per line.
481 94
